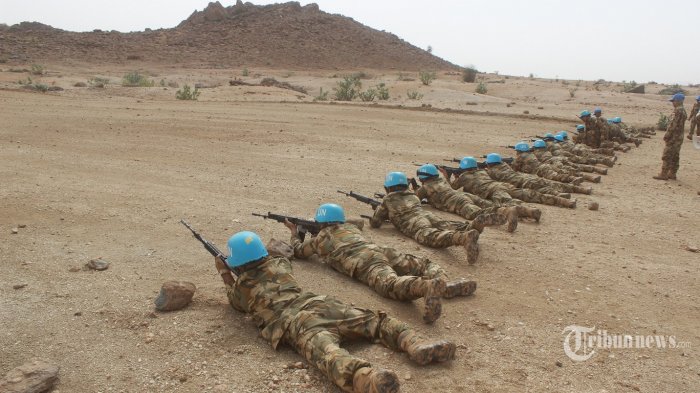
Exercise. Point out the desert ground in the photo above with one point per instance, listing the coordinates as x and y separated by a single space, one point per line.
89 173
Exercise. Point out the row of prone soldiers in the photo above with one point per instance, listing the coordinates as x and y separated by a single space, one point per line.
259 279
599 132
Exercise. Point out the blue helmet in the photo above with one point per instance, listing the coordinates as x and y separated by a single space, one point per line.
580 128
493 158
427 171
522 147
330 212
611 121
678 97
584 114
564 134
697 98
395 179
617 120
244 247
549 135
597 110
539 144
559 138
468 163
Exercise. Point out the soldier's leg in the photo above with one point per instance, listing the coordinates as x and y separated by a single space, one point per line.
436 238
674 163
397 335
666 162
536 197
411 265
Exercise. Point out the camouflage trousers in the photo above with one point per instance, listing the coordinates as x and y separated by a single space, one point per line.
548 172
443 235
317 331
465 208
545 186
568 166
671 157
531 196
694 126
389 273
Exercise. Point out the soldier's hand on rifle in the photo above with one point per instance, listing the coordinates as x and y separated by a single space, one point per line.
292 227
444 172
221 266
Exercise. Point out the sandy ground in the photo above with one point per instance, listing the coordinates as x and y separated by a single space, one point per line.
109 173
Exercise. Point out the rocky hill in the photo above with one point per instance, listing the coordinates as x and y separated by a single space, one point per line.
244 35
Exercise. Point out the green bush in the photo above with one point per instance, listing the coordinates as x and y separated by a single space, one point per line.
25 82
98 82
572 93
627 86
368 95
481 88
186 93
134 79
414 95
41 87
662 123
245 72
382 92
469 74
671 90
427 77
347 89
37 69
322 95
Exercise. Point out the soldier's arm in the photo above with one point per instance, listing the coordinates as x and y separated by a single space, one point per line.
234 298
305 249
457 183
380 215
421 193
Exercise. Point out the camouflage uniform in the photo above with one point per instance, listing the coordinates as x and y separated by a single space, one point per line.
592 134
403 209
694 118
506 174
583 150
314 325
441 196
558 151
480 183
527 162
562 163
674 140
601 124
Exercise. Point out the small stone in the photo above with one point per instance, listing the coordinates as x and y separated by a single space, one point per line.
35 376
408 376
78 314
526 112
19 286
593 206
692 249
15 231
559 364
22 226
74 269
98 264
490 327
175 295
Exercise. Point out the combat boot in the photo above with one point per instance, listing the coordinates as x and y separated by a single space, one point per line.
671 176
577 180
529 212
371 380
487 220
564 195
471 244
591 178
661 176
432 292
511 214
423 352
584 190
609 162
459 287
600 171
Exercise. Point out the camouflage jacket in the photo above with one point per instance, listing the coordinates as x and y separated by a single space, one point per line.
602 125
695 110
341 246
269 292
441 195
542 155
403 209
676 124
480 183
526 162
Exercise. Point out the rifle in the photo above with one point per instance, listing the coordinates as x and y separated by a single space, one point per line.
379 195
372 202
507 160
450 170
303 226
207 245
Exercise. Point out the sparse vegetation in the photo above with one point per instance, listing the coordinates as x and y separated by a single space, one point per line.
245 72
368 95
429 49
382 92
134 79
469 74
404 78
531 76
322 95
414 95
98 82
347 89
361 75
28 81
37 69
672 90
162 83
186 93
272 82
40 87
481 88
427 77
572 93
662 123
627 86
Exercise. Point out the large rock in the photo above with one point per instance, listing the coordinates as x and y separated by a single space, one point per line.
175 295
37 376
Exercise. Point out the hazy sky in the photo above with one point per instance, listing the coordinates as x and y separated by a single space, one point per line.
617 40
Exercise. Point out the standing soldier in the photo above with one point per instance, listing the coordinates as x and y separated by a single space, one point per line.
403 208
314 325
674 140
389 273
694 118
